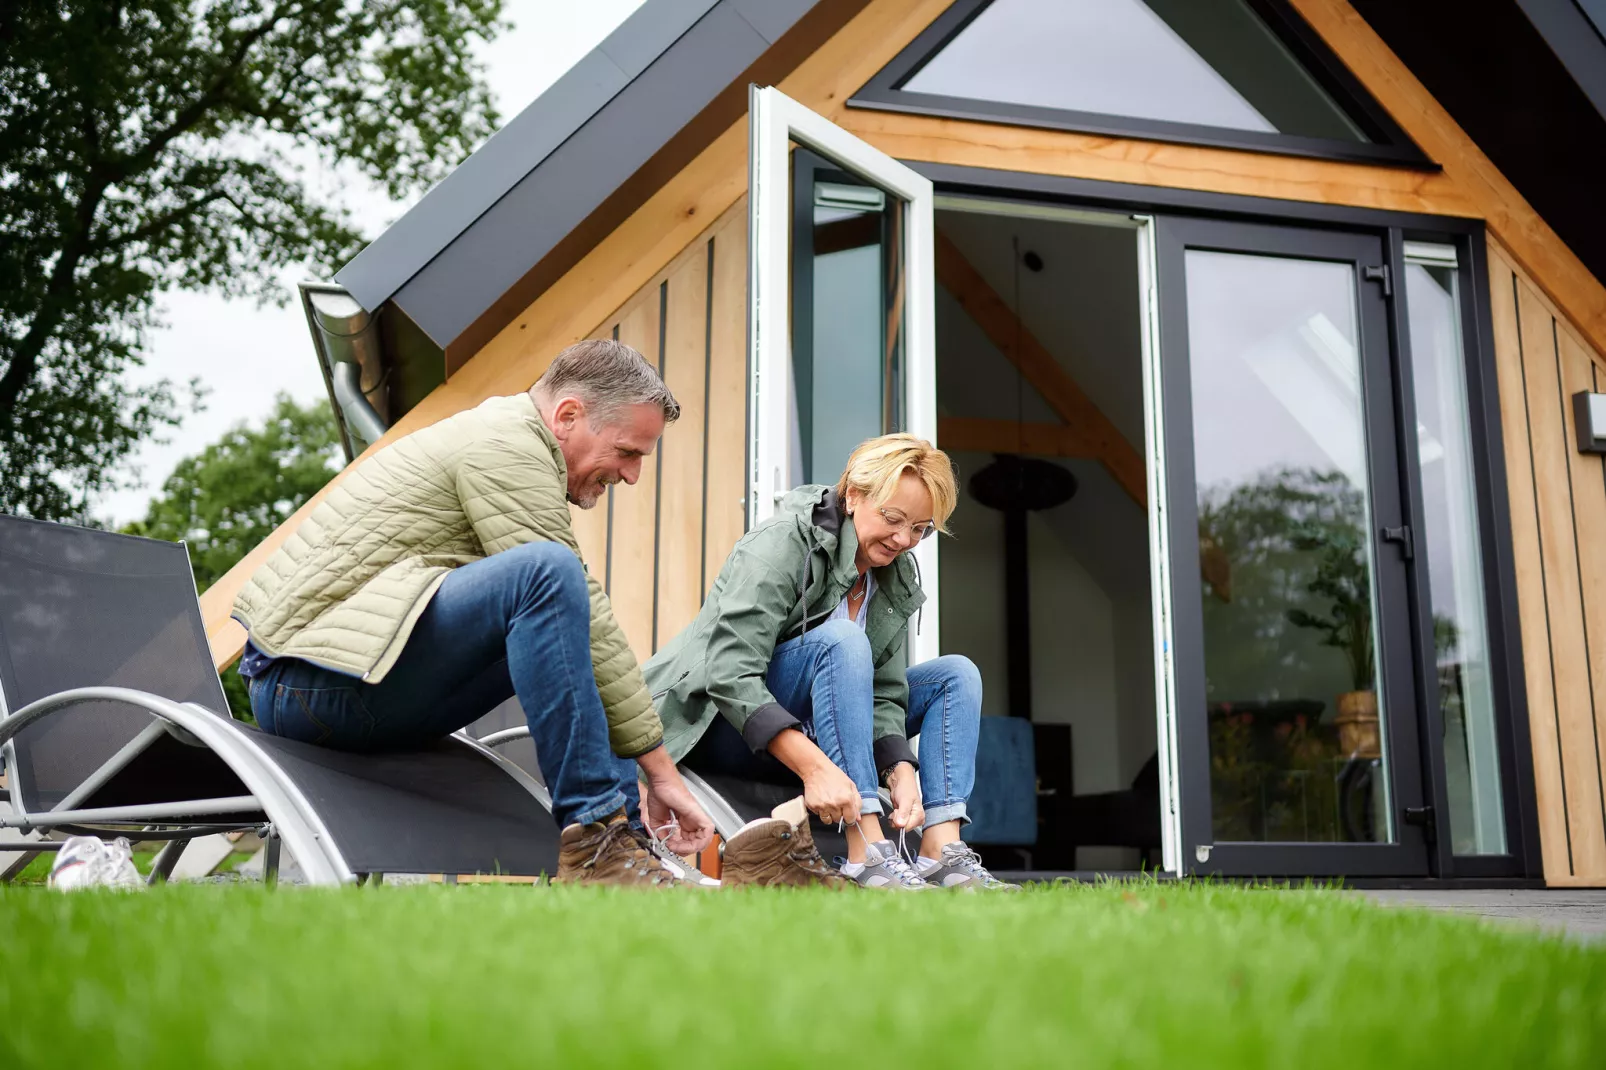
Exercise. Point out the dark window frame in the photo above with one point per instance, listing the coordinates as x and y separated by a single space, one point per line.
1522 861
1389 143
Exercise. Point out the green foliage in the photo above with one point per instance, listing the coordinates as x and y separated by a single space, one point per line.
226 499
1138 975
161 144
1294 539
1344 578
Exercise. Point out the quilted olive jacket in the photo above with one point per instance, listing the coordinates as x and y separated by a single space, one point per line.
348 584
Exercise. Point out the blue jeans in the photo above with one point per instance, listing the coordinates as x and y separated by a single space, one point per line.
826 678
515 623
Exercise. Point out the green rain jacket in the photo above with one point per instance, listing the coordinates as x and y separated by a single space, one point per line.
783 577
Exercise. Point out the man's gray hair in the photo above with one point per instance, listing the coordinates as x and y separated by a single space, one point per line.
606 375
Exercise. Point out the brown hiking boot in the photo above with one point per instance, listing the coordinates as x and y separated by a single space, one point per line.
610 852
778 851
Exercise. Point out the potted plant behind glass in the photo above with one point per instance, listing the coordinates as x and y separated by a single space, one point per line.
1342 577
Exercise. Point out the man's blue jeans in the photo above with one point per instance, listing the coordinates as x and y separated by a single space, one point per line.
826 679
517 622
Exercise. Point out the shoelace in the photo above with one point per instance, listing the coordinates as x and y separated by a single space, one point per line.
643 851
963 856
660 847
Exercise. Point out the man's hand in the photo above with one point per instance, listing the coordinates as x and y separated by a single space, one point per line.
904 783
669 801
827 790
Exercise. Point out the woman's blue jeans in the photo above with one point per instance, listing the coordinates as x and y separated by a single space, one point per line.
826 679
515 623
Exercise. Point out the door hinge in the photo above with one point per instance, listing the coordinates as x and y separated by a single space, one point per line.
1402 535
1424 817
1379 273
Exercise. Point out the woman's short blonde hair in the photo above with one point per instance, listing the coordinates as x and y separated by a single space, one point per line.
876 466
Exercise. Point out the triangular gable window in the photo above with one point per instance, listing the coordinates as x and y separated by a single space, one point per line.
1236 73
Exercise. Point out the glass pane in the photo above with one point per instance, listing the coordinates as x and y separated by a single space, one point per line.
847 377
1455 562
1202 62
1296 749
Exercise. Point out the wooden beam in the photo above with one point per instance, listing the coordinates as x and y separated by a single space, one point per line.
1004 329
1008 436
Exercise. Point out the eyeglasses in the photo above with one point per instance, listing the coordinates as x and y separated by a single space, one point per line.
921 531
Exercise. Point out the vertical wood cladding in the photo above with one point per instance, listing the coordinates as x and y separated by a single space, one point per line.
657 546
1558 519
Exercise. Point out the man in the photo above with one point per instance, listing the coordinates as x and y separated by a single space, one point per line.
441 576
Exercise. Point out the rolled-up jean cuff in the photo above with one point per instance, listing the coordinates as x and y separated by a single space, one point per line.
597 813
954 811
870 803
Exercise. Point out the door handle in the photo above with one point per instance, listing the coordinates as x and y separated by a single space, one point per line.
1401 535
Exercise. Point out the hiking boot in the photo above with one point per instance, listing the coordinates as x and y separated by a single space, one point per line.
883 867
611 852
777 850
960 868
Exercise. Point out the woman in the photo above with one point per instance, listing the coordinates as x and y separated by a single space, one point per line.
801 647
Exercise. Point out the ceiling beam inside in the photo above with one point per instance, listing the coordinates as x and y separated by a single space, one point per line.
1087 425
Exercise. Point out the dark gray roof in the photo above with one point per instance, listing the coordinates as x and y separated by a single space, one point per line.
487 224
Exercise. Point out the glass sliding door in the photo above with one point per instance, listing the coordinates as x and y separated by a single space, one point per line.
1296 714
842 339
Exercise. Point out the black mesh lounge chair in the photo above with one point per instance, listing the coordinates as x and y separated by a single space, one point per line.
113 722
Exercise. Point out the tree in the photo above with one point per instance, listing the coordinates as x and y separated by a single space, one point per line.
157 144
229 497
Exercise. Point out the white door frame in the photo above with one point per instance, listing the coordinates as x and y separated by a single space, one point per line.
775 121
1165 690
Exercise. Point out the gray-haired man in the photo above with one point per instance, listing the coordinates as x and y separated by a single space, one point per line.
441 577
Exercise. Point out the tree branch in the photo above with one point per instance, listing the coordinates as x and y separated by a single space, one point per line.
160 223
201 105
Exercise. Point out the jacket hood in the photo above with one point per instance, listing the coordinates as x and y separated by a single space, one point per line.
826 525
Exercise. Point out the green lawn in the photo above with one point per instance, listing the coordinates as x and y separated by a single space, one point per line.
482 976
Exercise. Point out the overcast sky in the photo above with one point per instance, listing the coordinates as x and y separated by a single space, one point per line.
244 353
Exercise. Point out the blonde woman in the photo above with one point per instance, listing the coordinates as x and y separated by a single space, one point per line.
797 662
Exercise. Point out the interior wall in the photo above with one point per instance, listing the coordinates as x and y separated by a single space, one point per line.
1558 534
1092 650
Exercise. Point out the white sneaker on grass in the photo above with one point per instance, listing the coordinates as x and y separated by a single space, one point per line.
86 862
883 867
960 868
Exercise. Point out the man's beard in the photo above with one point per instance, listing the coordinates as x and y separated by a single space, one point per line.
590 500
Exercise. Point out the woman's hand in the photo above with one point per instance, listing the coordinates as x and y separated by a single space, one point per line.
827 790
829 793
904 783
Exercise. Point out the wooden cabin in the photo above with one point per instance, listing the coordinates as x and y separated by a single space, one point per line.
1302 299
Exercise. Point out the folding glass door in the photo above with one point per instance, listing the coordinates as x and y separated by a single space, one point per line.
842 324
1293 665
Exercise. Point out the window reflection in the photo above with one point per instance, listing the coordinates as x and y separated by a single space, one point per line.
1296 747
1454 559
846 369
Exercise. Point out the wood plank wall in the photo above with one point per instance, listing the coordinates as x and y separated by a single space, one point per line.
656 547
1558 522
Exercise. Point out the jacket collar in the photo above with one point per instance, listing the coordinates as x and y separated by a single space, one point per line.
835 534
544 433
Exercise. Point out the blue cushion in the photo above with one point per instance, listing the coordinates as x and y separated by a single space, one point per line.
1003 806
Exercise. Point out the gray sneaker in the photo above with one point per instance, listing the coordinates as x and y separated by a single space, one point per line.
884 867
961 868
